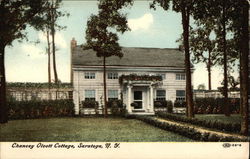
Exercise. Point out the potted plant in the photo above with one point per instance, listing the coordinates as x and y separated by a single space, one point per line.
133 105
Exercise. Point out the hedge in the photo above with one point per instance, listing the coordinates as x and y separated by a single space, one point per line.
228 127
186 131
215 105
40 108
211 105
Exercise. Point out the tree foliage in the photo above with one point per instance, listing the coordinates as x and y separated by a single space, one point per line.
100 34
201 86
15 16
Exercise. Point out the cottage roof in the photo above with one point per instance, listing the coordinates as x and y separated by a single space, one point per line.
138 57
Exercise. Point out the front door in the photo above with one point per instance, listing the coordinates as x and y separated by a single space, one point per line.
138 99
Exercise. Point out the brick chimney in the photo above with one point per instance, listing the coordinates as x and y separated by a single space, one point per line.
73 43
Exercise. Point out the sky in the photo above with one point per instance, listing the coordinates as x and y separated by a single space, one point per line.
26 61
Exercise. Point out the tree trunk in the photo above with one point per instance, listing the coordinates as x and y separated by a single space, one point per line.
189 93
49 70
3 105
241 90
226 106
104 87
53 42
209 70
245 80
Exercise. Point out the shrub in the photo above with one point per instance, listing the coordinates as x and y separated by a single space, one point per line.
213 137
179 104
164 104
117 102
37 109
89 104
134 104
117 108
158 104
169 107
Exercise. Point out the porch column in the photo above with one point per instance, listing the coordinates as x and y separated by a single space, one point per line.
148 100
129 99
151 98
76 102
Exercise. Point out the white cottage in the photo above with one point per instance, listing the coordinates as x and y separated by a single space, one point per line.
139 69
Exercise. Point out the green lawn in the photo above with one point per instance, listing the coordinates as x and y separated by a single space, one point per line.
235 118
85 129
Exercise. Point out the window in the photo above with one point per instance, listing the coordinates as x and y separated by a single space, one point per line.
89 75
89 94
112 75
112 95
163 75
180 76
180 95
160 94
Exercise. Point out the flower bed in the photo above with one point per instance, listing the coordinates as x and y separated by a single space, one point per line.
134 77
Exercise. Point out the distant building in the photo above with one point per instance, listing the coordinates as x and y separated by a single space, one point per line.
141 76
39 91
214 94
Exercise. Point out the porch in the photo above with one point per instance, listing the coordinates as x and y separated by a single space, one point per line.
138 93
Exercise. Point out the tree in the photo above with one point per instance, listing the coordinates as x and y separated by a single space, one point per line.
185 7
15 15
49 66
50 28
233 83
220 15
203 48
99 35
201 87
244 64
53 7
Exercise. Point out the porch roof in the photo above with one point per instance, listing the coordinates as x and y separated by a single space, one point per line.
140 79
